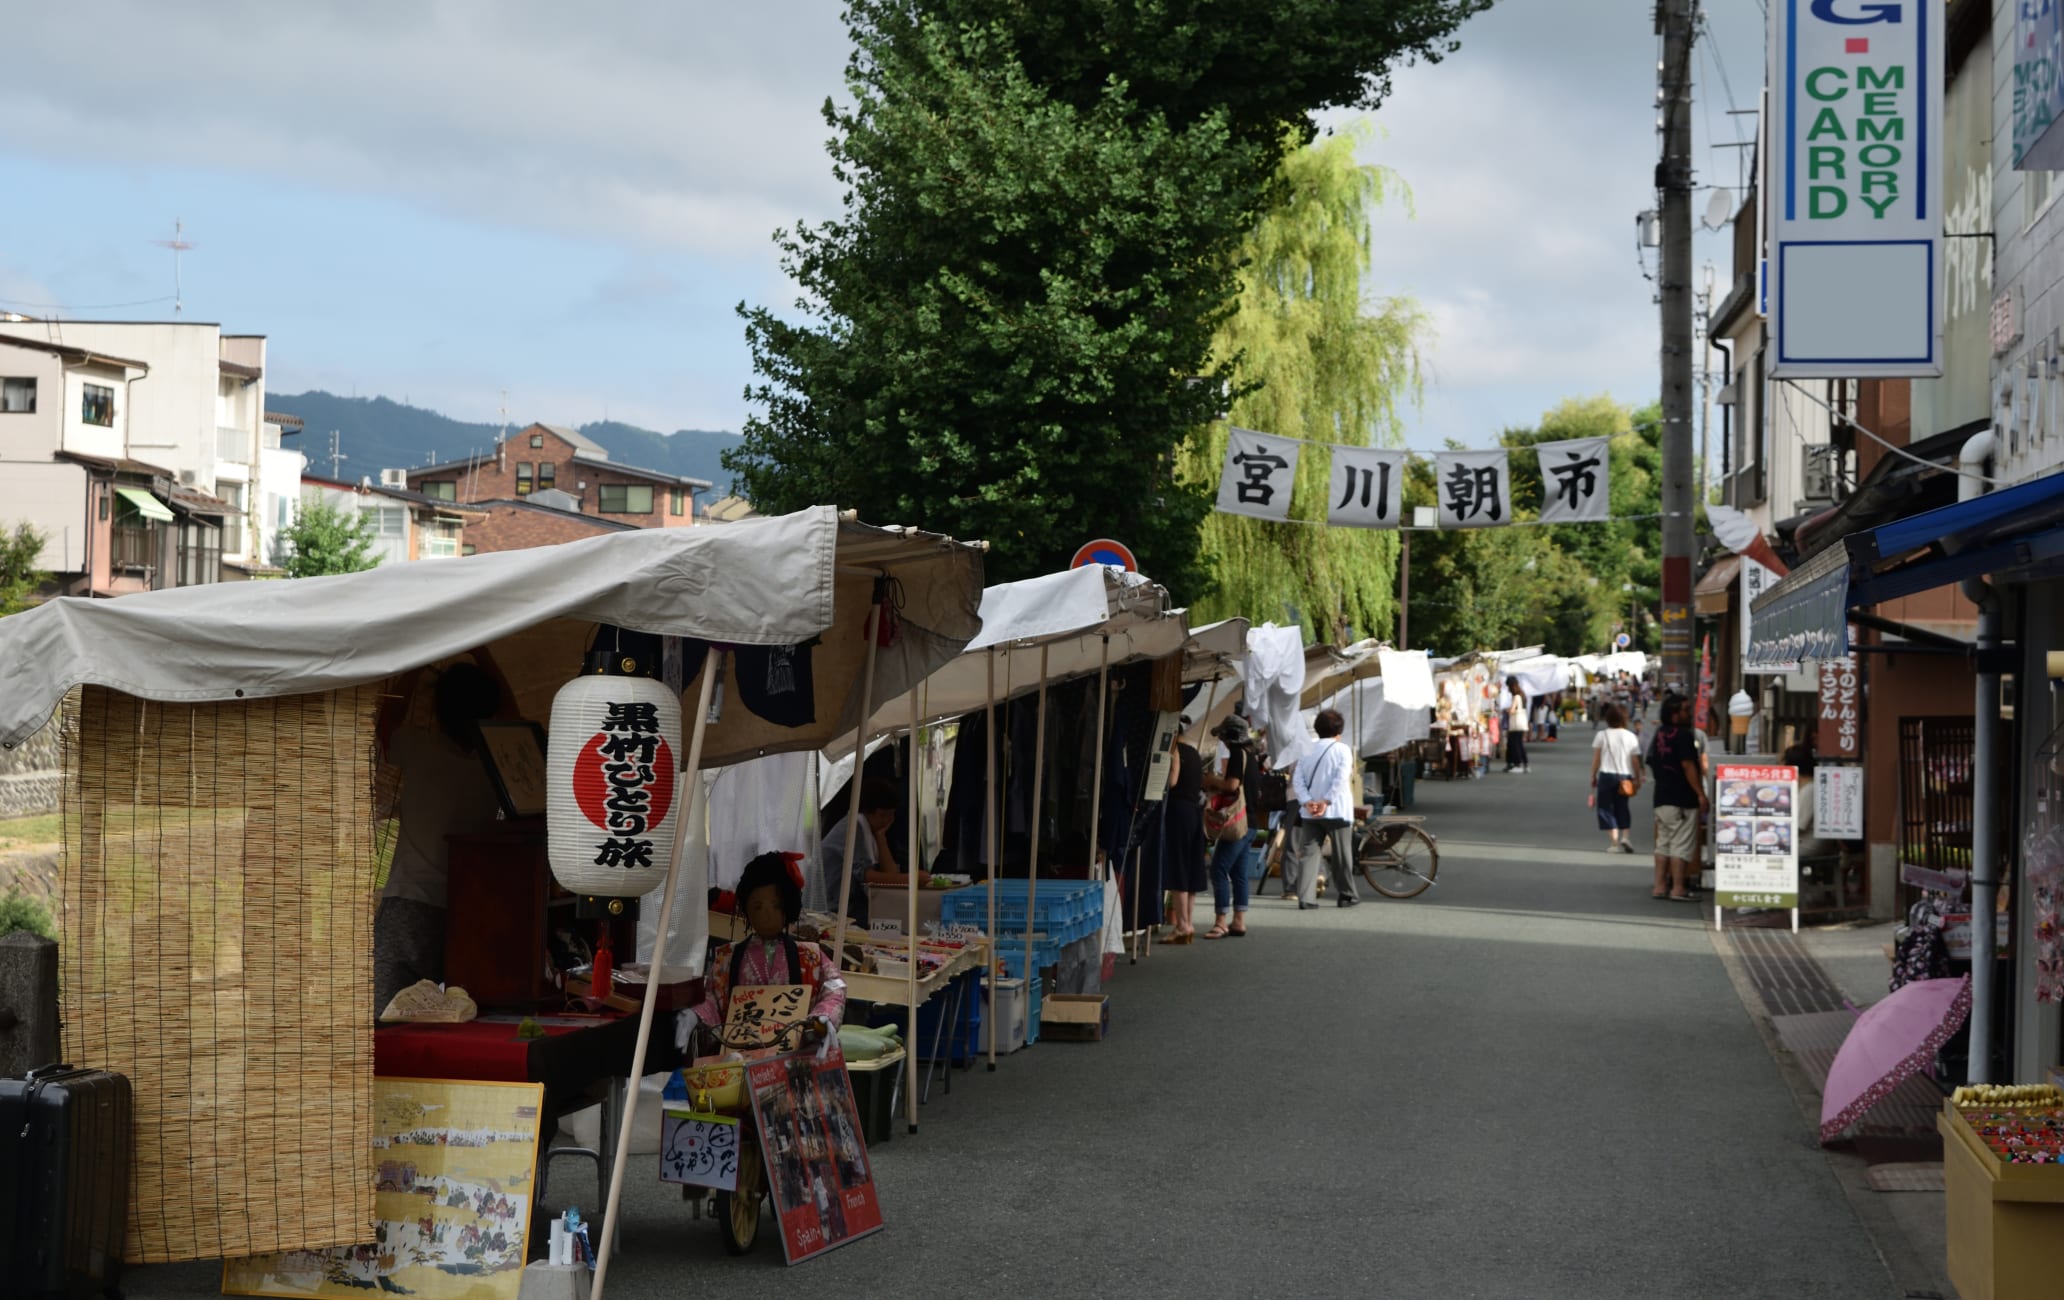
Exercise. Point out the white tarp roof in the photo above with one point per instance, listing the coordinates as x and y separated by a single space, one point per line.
1541 675
1212 650
1407 678
1375 724
775 581
1068 614
1272 680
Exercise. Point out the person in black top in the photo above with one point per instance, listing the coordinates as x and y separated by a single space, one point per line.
1226 787
1182 838
1680 801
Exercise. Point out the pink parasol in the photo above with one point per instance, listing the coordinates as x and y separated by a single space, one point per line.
1888 1045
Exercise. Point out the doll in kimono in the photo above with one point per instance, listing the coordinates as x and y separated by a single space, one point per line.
770 898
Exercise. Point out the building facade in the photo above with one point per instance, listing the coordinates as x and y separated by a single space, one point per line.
550 458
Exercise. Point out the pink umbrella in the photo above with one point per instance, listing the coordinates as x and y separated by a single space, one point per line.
1888 1045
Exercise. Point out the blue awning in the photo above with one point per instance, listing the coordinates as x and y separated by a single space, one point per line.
1806 615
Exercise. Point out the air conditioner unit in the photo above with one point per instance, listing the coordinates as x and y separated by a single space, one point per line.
1820 477
187 478
394 478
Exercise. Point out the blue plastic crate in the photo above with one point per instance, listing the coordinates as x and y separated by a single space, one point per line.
1066 910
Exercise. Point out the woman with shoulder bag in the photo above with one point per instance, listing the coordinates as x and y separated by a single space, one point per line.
1182 838
1326 806
1615 776
1226 826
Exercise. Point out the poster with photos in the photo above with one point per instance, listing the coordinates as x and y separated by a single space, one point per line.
1755 844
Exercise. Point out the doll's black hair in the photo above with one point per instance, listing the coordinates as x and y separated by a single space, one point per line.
771 869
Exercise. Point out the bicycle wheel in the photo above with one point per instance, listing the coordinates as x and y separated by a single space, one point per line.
1403 869
738 1212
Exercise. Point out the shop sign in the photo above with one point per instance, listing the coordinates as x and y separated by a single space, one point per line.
818 1171
1838 802
1956 933
2038 90
1757 579
2026 398
1856 199
1838 731
1755 852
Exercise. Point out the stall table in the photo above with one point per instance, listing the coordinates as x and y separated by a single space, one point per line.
2005 1220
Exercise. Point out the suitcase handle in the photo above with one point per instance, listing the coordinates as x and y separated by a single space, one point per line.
46 1072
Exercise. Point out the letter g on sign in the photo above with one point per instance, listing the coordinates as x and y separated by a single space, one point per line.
1824 10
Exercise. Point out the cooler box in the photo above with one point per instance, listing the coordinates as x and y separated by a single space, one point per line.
874 1095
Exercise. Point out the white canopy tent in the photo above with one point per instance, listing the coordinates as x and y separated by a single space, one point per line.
775 581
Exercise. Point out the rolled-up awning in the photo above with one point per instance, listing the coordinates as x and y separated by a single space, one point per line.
146 505
1716 585
1805 616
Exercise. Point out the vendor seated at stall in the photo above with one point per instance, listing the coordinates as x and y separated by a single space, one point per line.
770 896
445 791
873 861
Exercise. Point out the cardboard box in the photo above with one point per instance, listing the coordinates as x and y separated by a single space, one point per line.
2004 1219
1083 1017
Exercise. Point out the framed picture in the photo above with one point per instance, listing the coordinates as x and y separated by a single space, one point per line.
515 754
817 1166
451 1207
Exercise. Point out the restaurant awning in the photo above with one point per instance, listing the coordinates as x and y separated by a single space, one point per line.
146 505
1806 615
1710 595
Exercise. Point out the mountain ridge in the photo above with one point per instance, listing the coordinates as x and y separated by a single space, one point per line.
376 433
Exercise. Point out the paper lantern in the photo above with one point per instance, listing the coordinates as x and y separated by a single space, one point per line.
611 768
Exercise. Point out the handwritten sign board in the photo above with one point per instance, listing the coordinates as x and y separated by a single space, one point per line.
1838 803
761 1015
817 1165
1756 853
698 1150
1838 726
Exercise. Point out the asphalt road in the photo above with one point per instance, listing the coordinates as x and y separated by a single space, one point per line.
1530 1081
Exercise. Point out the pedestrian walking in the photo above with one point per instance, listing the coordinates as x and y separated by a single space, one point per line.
1326 804
1615 778
1680 804
1515 726
1225 788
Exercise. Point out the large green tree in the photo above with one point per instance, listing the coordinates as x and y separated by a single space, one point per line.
1316 357
1008 333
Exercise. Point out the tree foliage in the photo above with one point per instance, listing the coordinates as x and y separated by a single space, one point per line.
20 578
1009 332
324 540
1569 587
1313 360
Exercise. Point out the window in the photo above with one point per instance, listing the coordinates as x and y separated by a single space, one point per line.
548 474
537 439
17 396
522 478
444 491
388 521
98 407
467 549
2037 189
233 522
677 502
441 541
624 499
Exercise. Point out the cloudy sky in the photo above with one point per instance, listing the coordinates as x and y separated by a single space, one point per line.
451 201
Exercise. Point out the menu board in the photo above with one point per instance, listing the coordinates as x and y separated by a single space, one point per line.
1755 845
1838 802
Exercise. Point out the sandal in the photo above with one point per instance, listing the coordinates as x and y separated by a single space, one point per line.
1684 898
1215 932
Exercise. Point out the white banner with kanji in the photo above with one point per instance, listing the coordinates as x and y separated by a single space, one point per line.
1475 488
1367 488
1259 471
1573 481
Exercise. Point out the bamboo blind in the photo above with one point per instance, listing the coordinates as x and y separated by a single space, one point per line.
217 914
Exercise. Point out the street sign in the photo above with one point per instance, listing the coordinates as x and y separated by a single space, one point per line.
1756 852
1105 551
1622 641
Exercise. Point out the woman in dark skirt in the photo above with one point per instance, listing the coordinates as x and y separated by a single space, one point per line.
1185 869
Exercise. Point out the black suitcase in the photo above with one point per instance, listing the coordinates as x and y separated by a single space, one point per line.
64 1182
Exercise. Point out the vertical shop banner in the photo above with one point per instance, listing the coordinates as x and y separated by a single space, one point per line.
1475 488
1703 719
1367 488
817 1165
1259 472
1856 187
1574 487
1838 802
2038 87
1755 849
1755 580
1838 725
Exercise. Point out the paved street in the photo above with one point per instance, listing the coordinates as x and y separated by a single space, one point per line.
1532 1081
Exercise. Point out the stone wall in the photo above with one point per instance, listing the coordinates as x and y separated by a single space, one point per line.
30 775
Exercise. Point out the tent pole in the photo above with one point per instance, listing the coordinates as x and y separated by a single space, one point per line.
1032 864
842 904
989 836
713 667
910 924
1096 780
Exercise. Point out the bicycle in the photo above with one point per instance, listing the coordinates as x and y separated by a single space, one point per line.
1393 852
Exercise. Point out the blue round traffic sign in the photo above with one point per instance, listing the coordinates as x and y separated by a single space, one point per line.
1623 640
1105 551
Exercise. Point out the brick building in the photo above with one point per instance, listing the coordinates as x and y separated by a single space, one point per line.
548 458
544 520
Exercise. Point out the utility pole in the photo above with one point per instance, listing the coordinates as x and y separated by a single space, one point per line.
1676 25
337 456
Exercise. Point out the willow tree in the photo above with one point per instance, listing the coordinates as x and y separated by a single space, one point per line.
1314 357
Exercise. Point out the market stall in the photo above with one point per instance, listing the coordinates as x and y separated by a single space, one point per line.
225 827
